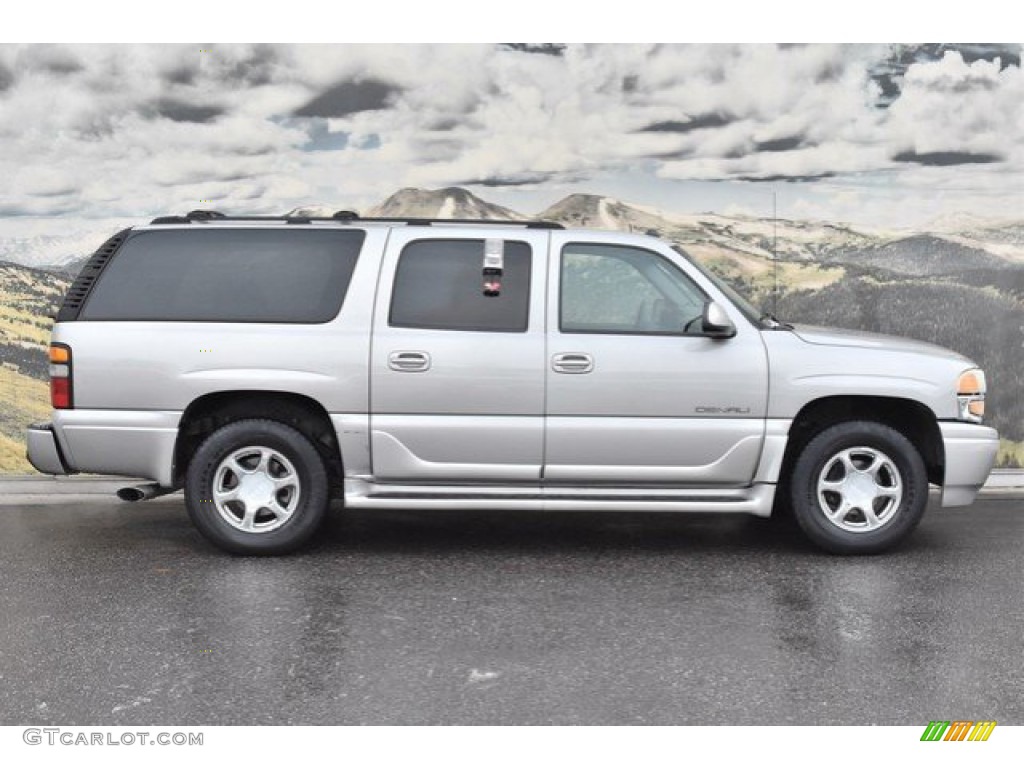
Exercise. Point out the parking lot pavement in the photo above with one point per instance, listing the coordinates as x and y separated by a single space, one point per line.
121 614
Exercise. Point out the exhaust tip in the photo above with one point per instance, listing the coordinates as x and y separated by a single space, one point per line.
130 494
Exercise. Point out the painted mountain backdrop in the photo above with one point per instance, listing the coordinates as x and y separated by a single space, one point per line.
958 282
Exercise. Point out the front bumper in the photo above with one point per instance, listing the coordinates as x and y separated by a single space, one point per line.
44 451
970 451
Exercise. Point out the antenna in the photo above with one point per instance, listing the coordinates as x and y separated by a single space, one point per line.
775 252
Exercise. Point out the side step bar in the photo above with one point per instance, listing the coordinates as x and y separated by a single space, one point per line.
754 500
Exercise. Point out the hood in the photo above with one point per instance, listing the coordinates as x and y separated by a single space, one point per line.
836 337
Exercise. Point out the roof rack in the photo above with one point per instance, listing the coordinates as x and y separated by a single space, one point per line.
204 215
351 216
422 222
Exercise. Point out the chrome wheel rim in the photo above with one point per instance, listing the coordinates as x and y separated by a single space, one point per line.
859 489
256 489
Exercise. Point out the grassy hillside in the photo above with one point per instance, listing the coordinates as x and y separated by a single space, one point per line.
23 400
12 456
28 297
1011 454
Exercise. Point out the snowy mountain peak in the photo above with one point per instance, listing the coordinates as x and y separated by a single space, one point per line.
583 210
316 210
734 238
964 222
54 250
446 203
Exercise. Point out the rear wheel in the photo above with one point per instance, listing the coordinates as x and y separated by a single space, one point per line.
257 487
859 487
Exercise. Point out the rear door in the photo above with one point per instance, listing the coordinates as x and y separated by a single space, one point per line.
636 393
457 377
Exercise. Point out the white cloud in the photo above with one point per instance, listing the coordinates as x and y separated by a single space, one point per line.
952 106
139 130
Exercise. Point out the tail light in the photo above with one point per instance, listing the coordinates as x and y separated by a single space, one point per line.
60 376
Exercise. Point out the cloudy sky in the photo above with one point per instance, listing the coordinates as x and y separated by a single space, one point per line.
884 135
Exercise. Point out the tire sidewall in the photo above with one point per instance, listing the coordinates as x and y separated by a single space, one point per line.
296 447
821 449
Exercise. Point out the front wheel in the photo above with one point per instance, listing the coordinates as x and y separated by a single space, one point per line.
257 487
859 487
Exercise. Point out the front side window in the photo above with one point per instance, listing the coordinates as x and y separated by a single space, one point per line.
439 285
619 289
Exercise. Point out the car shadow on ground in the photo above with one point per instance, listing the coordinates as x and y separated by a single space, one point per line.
556 532
364 532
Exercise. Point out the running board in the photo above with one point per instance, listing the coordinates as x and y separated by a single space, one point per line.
754 500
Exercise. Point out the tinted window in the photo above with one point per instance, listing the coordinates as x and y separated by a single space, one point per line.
615 289
227 275
439 284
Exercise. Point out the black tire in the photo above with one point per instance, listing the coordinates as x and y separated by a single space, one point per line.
854 534
285 446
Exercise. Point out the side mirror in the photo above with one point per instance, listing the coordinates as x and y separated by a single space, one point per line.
716 323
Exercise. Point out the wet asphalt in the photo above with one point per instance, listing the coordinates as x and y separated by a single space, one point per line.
118 614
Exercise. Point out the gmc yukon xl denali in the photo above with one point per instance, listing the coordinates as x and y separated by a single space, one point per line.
267 366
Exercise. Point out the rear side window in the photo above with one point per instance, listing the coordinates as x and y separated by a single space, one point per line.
228 276
439 284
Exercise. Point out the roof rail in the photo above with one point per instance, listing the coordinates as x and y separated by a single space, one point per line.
426 222
351 216
204 215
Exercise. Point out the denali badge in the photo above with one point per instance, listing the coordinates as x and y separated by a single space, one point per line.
726 410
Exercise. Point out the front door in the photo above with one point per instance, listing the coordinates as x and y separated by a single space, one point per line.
457 376
636 393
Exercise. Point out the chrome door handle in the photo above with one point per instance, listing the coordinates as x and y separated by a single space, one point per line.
409 361
572 362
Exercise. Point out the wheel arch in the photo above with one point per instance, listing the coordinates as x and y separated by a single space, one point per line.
913 419
211 411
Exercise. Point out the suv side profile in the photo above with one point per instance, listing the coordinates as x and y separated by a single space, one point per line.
269 365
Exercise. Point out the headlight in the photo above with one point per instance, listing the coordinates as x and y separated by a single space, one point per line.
970 395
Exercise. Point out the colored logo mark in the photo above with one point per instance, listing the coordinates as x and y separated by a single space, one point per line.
958 730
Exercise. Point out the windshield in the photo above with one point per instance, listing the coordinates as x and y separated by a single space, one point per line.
744 306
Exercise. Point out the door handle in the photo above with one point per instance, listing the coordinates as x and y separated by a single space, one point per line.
409 361
572 362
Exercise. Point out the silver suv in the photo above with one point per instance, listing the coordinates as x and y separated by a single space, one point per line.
268 365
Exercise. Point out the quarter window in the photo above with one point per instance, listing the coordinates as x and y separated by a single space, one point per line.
439 284
227 275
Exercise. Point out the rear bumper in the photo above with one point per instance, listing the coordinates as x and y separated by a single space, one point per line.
113 442
44 451
970 451
107 442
